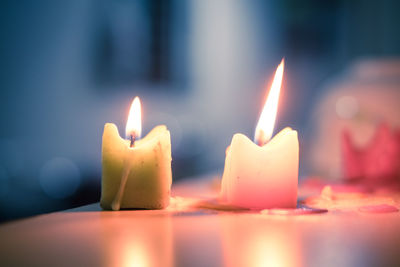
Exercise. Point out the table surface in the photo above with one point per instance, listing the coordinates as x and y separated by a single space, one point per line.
88 236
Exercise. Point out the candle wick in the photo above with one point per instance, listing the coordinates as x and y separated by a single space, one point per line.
260 140
132 140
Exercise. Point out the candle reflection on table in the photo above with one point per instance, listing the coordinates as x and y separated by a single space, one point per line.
256 243
127 241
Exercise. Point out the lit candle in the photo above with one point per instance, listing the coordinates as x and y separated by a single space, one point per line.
136 173
263 175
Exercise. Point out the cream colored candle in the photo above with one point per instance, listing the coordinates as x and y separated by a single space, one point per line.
136 173
265 175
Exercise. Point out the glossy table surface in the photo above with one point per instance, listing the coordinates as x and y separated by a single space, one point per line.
177 236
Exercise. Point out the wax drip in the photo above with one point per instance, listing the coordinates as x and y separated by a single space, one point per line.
116 204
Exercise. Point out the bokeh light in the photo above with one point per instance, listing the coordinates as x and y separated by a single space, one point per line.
59 178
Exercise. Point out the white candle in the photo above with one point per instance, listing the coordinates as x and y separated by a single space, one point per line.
136 173
265 175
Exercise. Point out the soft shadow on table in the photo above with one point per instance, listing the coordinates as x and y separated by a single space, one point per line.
95 207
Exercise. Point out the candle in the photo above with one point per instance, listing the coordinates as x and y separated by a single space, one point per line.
136 173
263 175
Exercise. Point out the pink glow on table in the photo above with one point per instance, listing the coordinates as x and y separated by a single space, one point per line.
383 208
297 211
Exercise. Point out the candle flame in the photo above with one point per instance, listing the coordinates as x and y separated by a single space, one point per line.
134 123
266 123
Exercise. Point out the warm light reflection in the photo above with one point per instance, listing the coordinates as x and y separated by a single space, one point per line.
266 122
134 123
135 256
271 251
135 240
260 243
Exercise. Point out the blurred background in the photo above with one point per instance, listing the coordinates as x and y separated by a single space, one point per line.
201 67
